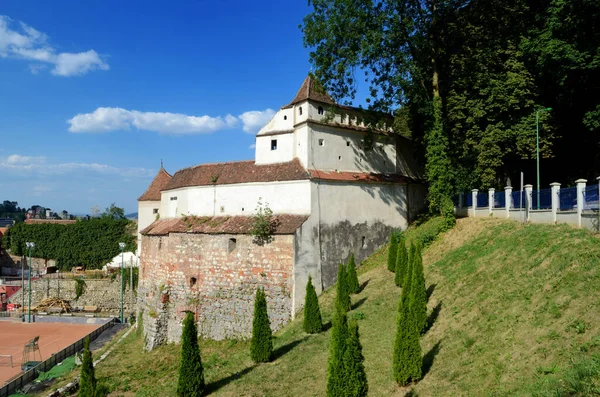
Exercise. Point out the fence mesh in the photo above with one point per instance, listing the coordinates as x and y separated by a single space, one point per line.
590 198
568 199
469 199
518 200
545 199
499 200
482 200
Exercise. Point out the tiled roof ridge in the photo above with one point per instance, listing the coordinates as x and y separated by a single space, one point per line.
217 163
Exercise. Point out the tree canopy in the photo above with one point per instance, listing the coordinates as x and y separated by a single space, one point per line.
490 64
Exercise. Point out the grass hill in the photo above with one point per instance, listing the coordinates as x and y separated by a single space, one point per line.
514 312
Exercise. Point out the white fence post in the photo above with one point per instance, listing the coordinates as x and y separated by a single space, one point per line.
474 200
580 199
528 201
508 200
555 199
491 192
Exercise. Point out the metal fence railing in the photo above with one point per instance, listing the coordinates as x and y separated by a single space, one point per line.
469 199
482 200
590 198
567 199
545 199
518 199
499 199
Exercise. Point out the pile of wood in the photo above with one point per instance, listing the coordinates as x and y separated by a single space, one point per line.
53 305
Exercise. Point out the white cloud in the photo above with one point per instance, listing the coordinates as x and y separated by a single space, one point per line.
253 146
256 119
39 165
21 41
118 119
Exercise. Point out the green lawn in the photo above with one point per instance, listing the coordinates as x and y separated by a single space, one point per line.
514 310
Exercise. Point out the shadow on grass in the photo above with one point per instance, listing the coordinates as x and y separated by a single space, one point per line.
327 326
359 303
411 393
363 286
214 386
429 358
430 290
282 350
277 353
435 313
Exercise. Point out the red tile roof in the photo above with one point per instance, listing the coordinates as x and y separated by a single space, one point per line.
236 172
313 90
160 181
283 224
365 177
54 221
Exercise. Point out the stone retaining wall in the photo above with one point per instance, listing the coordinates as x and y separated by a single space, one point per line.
216 277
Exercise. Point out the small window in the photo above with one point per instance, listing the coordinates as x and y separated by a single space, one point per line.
222 209
363 242
284 117
193 281
320 109
231 245
155 211
273 144
242 209
339 157
347 143
321 142
300 110
174 198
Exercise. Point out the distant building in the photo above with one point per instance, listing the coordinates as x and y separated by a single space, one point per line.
329 194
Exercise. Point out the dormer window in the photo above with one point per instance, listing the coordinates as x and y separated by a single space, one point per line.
273 144
320 110
300 110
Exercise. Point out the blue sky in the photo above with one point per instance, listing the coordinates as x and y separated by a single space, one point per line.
95 94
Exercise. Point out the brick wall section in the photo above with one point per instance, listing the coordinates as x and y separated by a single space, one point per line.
226 281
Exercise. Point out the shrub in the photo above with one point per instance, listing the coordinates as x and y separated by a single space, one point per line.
407 349
191 373
87 380
261 345
313 323
342 298
392 251
419 292
336 385
356 378
401 262
353 286
262 223
80 287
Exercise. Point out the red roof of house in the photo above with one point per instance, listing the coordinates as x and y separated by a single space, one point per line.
236 172
283 224
160 181
313 90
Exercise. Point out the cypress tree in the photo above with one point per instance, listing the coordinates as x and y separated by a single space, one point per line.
313 323
87 379
353 286
191 372
342 298
419 293
401 263
407 349
392 252
336 384
261 345
356 378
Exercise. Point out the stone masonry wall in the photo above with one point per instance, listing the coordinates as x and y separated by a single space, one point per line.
214 276
104 293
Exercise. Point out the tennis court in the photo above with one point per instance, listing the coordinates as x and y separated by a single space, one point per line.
53 337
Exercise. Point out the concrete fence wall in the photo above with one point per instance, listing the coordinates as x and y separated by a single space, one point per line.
585 212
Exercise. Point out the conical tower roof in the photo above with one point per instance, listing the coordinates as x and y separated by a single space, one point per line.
160 181
311 89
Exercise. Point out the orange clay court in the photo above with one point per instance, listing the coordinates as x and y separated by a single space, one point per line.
53 338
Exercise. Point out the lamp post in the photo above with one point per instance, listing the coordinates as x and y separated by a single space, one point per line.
122 247
537 149
131 286
30 246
